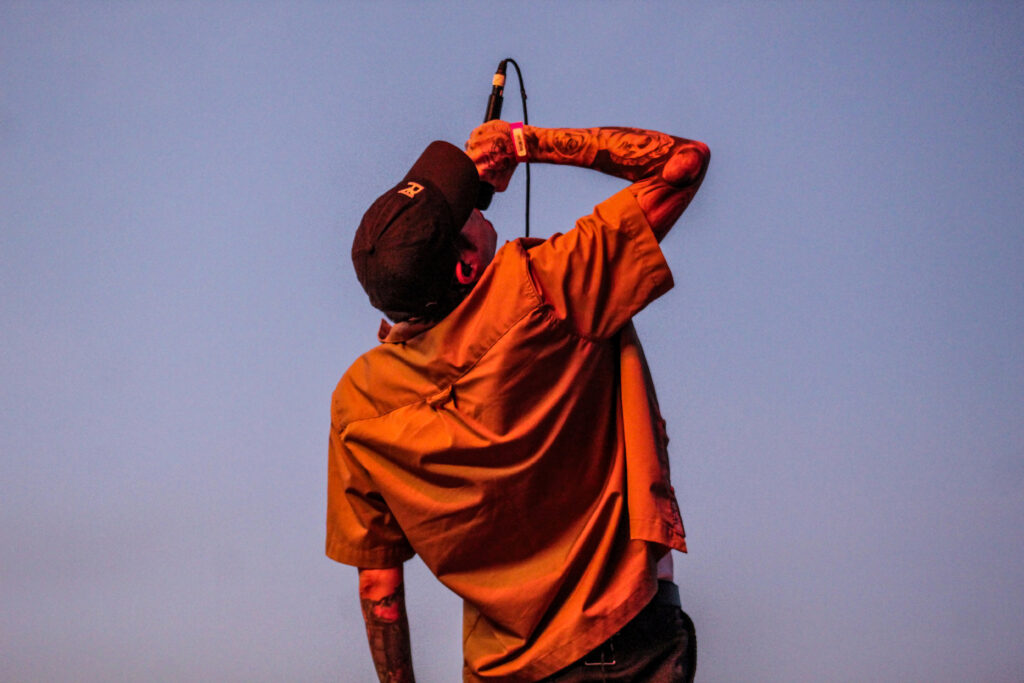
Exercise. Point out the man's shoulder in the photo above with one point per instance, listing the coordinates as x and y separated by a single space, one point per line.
349 402
405 371
373 386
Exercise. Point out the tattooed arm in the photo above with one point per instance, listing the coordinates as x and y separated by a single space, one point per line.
382 597
666 171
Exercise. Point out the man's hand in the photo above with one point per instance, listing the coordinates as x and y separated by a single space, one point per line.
490 148
382 597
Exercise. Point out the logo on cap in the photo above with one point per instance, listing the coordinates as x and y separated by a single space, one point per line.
412 190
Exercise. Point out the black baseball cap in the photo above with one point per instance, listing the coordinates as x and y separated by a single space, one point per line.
405 250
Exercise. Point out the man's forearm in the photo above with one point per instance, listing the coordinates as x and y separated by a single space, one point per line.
666 171
382 598
629 153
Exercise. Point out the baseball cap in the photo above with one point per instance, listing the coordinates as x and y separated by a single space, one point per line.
405 249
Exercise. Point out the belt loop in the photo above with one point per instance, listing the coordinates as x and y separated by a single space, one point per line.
597 657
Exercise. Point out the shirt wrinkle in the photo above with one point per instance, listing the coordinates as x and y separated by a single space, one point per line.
450 385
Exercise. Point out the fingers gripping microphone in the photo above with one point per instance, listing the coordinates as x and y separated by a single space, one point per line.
493 112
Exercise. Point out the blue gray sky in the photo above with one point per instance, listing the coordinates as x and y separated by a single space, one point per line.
840 362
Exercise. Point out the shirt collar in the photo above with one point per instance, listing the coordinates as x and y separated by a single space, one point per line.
401 332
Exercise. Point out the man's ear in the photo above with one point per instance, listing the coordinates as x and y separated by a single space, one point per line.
465 273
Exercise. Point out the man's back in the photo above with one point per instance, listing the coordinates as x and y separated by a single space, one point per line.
507 430
493 445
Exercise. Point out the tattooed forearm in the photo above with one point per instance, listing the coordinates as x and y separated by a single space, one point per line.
630 153
665 170
387 630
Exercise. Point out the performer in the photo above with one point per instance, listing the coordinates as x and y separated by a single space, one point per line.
506 428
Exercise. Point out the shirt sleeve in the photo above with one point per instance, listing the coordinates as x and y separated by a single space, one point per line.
603 272
361 529
651 500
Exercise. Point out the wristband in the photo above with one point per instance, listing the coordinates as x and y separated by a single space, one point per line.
518 141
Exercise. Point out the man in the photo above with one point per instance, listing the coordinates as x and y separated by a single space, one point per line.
506 428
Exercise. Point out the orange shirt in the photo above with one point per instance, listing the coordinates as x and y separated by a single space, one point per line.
517 447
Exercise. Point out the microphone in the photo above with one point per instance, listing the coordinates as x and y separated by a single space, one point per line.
497 93
494 103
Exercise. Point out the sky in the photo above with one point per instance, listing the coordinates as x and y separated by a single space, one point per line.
841 361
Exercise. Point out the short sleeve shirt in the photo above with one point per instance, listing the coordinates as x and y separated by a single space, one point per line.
516 446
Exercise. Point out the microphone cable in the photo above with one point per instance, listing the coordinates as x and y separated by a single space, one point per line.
494 103
526 121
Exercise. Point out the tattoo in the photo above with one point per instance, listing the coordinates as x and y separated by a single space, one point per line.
562 145
501 157
635 147
569 143
630 153
387 629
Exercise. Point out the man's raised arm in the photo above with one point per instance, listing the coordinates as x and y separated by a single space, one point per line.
666 171
382 597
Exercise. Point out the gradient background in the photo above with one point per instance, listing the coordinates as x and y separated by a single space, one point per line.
840 362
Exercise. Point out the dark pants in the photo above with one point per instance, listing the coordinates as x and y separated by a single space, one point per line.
658 646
